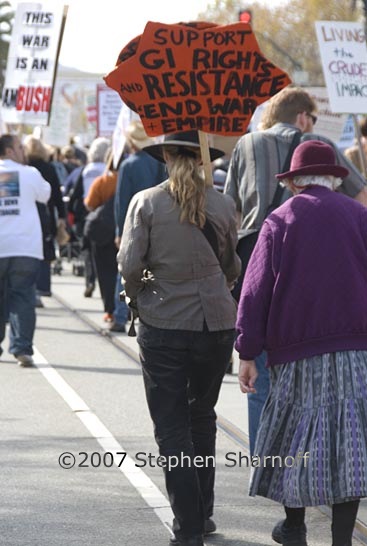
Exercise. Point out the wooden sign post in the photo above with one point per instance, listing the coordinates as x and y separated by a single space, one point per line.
205 156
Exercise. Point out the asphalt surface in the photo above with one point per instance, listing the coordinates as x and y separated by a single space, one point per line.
85 398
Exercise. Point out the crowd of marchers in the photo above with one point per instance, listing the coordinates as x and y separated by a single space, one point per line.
270 260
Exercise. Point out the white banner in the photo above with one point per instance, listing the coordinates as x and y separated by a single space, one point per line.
32 62
126 116
108 110
344 60
329 124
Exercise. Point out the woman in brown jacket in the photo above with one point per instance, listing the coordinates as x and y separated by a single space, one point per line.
181 283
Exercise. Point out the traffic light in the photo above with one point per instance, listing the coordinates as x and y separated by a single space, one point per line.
245 16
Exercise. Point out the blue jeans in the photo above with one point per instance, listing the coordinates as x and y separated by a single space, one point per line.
18 277
121 311
257 400
183 373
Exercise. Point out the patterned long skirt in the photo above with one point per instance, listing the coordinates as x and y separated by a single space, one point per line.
311 446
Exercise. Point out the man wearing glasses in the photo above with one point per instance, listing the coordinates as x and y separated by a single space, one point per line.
257 157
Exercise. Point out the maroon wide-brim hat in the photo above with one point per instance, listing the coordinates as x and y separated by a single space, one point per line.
314 157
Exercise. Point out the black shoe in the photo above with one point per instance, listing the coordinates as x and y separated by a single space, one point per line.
89 291
39 302
44 293
276 533
116 327
194 541
292 536
24 361
209 528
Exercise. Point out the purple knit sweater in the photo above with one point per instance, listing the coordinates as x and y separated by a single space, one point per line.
305 288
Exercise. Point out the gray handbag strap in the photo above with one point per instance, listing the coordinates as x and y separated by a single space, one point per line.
280 189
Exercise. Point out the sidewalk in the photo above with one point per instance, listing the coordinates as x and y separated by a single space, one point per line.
232 404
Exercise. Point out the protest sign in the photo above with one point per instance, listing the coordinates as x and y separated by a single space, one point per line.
125 117
195 76
108 110
344 61
32 62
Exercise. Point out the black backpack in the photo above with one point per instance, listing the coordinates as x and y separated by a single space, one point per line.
99 224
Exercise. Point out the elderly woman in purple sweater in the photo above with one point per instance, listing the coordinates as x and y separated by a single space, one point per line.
304 300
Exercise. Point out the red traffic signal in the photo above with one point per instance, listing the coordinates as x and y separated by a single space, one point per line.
245 16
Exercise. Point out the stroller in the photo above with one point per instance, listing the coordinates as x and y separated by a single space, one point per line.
70 251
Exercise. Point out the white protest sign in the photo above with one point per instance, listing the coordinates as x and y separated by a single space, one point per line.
108 110
58 131
32 62
347 138
344 61
329 124
126 116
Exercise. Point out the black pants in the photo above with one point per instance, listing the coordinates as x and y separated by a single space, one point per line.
89 263
44 278
106 266
183 373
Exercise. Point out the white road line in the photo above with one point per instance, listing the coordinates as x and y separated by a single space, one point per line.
138 479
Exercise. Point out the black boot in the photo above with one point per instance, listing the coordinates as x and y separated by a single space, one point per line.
292 536
344 517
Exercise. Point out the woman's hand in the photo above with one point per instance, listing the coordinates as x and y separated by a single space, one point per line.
247 375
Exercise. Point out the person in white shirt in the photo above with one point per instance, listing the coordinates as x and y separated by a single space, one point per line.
21 248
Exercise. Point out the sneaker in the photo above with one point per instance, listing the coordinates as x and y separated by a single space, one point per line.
25 361
116 327
292 536
108 317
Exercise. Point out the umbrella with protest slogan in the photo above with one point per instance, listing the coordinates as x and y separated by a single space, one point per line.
196 75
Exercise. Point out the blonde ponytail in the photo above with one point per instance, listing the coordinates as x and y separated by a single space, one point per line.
186 183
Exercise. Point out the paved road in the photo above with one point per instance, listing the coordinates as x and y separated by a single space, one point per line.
85 398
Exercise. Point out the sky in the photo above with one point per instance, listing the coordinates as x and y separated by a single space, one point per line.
95 32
